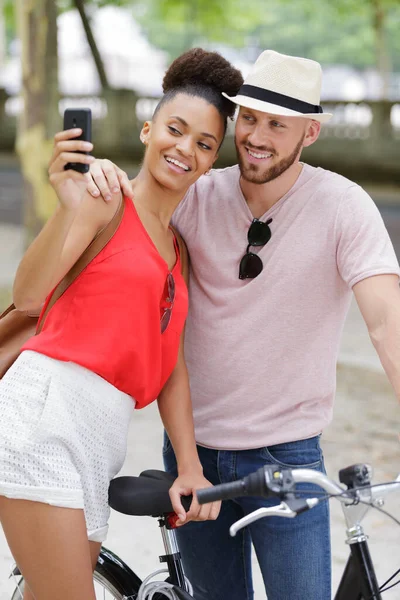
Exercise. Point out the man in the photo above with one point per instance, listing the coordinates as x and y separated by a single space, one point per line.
276 247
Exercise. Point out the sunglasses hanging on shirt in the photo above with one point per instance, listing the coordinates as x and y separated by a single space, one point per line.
259 234
169 298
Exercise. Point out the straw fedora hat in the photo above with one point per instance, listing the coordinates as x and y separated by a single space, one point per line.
283 85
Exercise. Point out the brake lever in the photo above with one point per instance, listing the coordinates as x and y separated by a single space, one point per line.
289 510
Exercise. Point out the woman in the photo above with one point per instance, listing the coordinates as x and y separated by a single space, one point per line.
111 342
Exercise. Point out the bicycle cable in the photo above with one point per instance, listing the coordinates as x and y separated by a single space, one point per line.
348 491
149 588
383 589
326 496
390 586
390 579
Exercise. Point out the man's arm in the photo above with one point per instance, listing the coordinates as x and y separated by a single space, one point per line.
378 298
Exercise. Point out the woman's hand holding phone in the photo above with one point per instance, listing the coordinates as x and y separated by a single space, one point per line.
69 185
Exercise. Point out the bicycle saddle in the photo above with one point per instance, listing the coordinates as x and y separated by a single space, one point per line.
146 495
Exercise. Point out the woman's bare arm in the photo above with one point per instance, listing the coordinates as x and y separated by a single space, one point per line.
176 411
66 235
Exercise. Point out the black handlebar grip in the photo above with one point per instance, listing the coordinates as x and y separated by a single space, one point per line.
224 491
254 484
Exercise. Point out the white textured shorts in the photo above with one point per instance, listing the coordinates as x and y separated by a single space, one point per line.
63 436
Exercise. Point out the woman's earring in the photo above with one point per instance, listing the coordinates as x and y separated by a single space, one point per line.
142 139
208 171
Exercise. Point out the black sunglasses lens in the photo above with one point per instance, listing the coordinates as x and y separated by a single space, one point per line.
250 266
165 319
171 287
168 297
259 233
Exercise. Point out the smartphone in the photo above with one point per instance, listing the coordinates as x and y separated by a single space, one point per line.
82 118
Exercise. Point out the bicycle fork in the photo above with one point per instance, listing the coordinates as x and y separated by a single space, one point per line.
359 580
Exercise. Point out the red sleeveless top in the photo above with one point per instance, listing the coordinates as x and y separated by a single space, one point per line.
108 320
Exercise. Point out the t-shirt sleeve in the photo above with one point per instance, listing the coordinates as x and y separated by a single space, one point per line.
364 247
180 214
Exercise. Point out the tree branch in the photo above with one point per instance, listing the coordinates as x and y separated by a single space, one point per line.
80 5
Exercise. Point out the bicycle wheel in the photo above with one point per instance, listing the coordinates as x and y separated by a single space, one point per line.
104 589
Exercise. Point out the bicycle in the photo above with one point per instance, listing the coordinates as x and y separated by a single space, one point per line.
148 495
359 581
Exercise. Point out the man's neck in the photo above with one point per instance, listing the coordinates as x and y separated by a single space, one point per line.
261 197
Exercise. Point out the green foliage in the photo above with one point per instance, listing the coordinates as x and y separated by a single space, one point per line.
9 17
93 4
333 31
176 25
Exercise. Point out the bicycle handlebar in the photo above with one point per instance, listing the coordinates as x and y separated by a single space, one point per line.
357 495
266 482
272 481
252 485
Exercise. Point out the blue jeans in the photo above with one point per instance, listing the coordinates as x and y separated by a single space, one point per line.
293 554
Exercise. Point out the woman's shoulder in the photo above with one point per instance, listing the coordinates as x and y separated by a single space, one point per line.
92 218
99 212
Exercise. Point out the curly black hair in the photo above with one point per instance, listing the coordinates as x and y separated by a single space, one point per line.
206 75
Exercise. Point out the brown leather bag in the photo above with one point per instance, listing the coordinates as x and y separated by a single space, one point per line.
16 327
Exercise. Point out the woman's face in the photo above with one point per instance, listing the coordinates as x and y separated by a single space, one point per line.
182 141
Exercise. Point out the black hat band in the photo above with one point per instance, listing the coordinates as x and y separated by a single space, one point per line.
253 91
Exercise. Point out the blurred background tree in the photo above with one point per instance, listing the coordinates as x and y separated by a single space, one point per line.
359 33
37 31
362 33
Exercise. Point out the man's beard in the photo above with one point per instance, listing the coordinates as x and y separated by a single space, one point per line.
252 174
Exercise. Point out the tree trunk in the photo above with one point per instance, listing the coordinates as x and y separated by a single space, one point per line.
39 119
80 5
383 61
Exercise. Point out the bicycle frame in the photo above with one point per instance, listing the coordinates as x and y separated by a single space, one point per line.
359 579
127 582
172 555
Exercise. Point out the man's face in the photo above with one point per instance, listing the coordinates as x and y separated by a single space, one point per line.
267 145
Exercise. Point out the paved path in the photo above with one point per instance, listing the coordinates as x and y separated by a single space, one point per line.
365 429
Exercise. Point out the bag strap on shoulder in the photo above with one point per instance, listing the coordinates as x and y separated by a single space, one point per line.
8 310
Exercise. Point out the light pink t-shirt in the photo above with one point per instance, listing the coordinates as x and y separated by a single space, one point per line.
262 352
